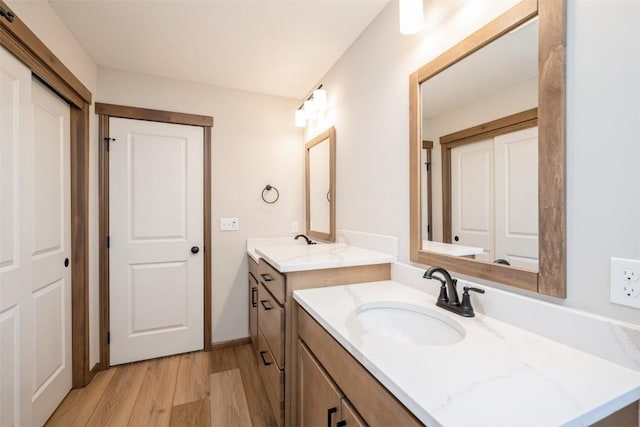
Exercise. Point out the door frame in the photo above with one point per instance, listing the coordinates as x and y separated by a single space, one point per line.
104 113
20 41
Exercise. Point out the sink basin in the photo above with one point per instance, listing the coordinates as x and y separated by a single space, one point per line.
409 323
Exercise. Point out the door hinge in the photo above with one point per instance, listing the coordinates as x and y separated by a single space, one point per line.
108 242
107 141
109 337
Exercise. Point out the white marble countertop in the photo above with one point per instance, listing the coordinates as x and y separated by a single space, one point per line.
450 248
268 242
316 257
498 375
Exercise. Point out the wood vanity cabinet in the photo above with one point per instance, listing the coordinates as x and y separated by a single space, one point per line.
330 377
320 401
277 327
253 302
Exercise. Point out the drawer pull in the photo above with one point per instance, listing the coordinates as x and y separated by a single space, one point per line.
341 423
330 413
267 277
254 293
264 304
262 353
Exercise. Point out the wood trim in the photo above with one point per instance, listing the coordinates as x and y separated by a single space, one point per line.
552 154
125 112
105 112
26 46
80 244
523 120
208 251
331 135
103 232
18 39
230 343
551 278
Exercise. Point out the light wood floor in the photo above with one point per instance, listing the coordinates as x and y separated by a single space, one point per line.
218 388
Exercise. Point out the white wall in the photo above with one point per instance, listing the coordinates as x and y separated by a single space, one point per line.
254 143
40 17
368 103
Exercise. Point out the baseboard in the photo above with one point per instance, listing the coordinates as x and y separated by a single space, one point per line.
230 343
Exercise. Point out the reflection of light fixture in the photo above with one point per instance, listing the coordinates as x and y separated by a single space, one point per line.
315 103
411 16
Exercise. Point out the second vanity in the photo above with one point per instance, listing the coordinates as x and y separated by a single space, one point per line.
475 371
281 270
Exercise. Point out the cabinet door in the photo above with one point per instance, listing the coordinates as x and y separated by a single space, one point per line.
350 417
253 310
319 398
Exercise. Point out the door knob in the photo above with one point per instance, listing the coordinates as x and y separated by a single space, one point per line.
195 249
66 262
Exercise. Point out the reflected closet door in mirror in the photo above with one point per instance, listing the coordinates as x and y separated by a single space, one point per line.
472 101
320 155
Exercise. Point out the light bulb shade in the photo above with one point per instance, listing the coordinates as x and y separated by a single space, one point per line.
301 120
411 16
320 99
309 109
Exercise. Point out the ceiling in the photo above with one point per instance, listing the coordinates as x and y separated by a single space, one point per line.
276 47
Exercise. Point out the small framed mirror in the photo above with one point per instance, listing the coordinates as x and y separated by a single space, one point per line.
320 171
487 160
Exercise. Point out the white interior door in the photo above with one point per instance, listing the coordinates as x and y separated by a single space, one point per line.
472 198
156 219
35 237
517 198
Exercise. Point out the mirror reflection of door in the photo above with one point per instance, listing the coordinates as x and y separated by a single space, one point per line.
494 197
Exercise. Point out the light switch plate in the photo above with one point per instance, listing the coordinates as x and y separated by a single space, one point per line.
229 224
625 286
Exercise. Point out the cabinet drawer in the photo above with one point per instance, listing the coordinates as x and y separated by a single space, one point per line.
272 378
272 279
253 267
271 322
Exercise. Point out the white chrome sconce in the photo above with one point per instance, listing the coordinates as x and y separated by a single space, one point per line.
315 103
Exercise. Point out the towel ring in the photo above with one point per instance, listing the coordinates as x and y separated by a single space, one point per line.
269 188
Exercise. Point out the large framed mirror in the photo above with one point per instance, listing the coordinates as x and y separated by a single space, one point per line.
487 160
320 177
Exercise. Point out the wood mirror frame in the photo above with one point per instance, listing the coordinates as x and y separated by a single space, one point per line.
330 135
550 279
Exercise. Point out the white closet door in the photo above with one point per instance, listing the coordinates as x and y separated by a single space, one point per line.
16 217
517 198
35 292
51 252
472 198
156 218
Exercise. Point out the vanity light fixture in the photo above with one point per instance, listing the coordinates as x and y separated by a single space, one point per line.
411 16
315 103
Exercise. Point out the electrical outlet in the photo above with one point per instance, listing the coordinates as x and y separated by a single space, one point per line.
294 226
229 224
630 274
625 289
